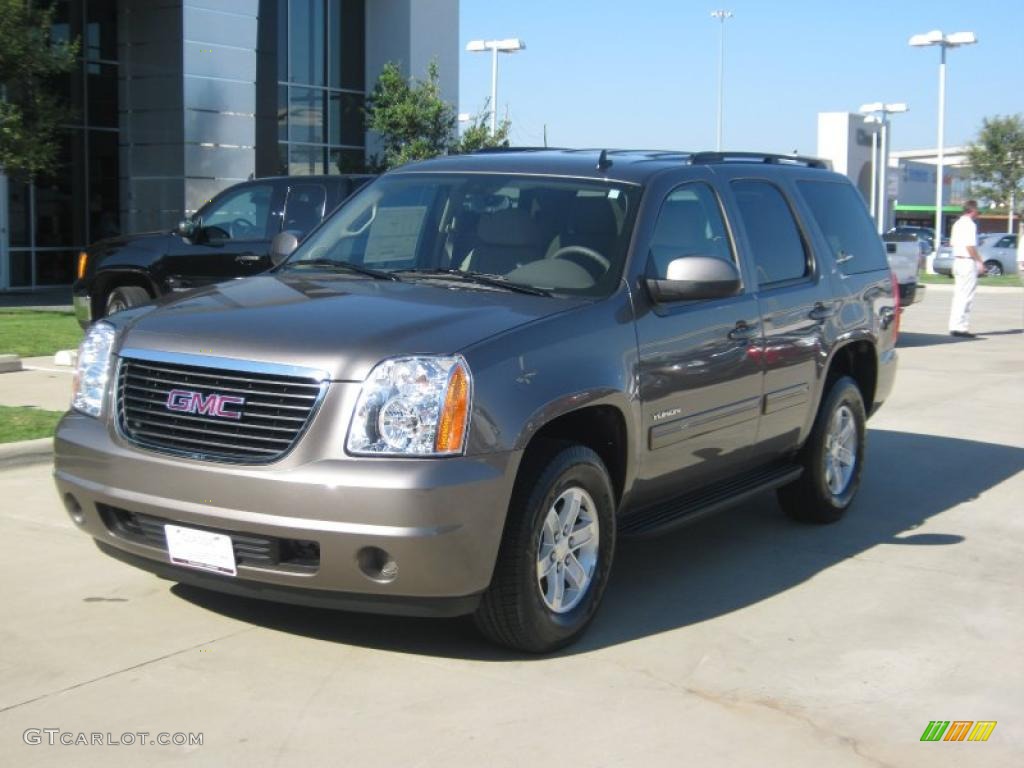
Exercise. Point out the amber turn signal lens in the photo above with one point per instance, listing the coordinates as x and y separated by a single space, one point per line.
451 428
83 259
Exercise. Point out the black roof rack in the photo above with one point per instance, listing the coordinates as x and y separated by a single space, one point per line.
496 150
700 158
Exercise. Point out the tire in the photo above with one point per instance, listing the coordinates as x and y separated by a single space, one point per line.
521 609
125 297
993 268
824 491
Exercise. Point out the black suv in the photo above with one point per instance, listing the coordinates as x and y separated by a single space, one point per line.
229 237
481 370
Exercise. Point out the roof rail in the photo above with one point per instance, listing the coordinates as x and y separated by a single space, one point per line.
496 150
700 158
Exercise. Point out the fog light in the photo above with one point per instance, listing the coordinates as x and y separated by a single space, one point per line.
377 564
74 508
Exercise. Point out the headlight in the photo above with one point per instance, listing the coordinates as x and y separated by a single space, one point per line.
93 369
413 406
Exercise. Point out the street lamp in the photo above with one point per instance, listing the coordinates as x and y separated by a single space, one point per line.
508 45
881 113
722 16
955 40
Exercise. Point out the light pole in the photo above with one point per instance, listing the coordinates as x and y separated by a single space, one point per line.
508 45
936 37
881 113
722 17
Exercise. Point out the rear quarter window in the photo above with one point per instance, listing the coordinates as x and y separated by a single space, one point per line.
840 214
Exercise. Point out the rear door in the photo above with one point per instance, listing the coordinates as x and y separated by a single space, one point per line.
796 302
700 377
233 238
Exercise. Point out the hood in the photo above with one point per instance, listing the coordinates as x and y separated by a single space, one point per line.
147 241
339 324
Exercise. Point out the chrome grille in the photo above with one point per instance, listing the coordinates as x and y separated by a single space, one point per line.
279 402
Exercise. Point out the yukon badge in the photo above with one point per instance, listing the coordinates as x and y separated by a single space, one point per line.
213 404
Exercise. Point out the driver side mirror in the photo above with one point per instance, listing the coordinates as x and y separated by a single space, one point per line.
696 277
283 245
187 228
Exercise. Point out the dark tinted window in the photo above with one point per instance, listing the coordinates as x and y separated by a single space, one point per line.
772 232
843 220
305 207
689 224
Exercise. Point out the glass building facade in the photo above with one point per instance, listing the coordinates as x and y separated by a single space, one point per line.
51 219
176 100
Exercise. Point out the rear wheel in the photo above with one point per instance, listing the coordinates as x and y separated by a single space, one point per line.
125 297
832 458
993 268
555 555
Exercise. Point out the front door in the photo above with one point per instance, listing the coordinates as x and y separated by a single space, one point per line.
700 377
232 239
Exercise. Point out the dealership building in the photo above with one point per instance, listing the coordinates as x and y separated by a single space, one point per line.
174 100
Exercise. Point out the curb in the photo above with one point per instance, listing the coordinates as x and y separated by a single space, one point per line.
948 288
26 452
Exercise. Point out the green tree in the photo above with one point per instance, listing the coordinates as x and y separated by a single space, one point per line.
411 118
477 135
30 115
996 159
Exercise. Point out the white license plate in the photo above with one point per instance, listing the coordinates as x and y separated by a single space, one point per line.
200 549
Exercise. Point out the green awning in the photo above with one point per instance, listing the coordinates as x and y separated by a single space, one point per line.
927 208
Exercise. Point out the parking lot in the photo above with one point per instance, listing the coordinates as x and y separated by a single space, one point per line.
744 639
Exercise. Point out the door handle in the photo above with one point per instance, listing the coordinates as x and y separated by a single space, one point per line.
247 258
822 311
743 332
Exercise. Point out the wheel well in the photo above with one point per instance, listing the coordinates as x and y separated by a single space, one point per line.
106 283
859 362
602 428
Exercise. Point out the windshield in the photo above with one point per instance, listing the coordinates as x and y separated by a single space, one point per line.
554 235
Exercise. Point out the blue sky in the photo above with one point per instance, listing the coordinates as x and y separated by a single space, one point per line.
644 73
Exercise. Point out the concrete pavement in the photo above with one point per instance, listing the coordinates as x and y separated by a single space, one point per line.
40 384
744 640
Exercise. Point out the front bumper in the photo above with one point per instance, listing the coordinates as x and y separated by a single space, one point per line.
439 520
82 302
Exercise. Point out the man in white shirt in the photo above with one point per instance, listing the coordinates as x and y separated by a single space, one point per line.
967 265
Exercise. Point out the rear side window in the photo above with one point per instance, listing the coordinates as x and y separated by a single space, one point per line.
843 220
772 232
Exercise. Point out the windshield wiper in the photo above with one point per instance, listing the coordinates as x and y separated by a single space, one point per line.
480 278
347 266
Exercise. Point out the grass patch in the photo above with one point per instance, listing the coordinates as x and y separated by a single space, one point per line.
32 333
1003 281
23 423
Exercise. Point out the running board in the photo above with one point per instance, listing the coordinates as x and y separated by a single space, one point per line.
689 507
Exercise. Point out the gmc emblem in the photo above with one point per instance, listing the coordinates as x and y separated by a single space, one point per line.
186 401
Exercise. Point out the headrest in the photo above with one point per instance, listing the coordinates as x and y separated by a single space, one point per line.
510 227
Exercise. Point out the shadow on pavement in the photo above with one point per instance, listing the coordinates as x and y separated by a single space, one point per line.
908 340
716 566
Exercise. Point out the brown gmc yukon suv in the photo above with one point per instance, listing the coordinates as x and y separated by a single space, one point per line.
480 371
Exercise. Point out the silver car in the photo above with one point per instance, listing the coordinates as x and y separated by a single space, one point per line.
998 251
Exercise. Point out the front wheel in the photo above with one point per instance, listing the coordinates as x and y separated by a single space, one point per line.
832 458
125 297
555 554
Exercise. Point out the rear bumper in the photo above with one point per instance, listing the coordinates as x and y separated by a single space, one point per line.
440 521
911 293
887 363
